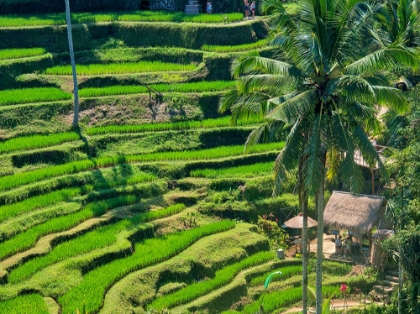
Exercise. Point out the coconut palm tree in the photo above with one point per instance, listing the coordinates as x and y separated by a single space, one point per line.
73 67
399 19
322 83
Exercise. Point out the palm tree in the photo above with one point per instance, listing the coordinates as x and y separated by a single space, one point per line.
399 19
73 67
322 83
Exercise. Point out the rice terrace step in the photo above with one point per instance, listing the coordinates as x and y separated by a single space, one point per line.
140 195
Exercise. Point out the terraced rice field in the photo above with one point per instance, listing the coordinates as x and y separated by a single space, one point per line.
126 214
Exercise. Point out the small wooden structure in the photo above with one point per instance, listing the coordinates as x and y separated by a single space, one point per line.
358 214
297 223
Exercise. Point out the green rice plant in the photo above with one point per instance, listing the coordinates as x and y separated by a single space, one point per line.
237 48
28 238
92 182
12 181
99 238
240 171
164 88
146 253
37 141
33 203
146 16
119 68
90 185
222 277
181 17
280 299
24 304
168 126
12 227
31 95
21 53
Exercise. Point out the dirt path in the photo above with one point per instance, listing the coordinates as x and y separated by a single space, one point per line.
336 304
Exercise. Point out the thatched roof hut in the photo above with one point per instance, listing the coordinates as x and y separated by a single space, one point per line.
297 222
356 213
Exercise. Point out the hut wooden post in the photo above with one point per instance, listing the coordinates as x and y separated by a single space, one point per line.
373 181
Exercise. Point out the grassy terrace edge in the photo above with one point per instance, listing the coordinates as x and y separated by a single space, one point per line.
16 180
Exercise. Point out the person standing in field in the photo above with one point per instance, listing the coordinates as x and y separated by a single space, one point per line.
209 7
338 246
253 9
246 3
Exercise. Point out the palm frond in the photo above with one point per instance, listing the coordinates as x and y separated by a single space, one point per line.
243 64
368 151
288 158
391 97
384 59
227 100
298 105
332 164
267 132
265 83
351 173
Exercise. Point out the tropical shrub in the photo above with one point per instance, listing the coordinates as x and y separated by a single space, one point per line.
268 225
259 188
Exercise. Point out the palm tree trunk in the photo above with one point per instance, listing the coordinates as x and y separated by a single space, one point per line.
400 281
303 204
73 67
320 237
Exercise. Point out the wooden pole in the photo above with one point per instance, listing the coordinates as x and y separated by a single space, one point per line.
373 181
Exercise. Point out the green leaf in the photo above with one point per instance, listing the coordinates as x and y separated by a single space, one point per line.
268 280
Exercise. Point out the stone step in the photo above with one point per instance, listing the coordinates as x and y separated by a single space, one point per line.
192 2
392 272
390 283
391 278
192 11
384 290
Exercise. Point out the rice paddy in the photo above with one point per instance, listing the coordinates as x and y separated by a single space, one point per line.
31 95
22 20
163 88
6 54
120 68
115 225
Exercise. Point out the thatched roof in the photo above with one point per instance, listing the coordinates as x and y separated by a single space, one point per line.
297 222
356 213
